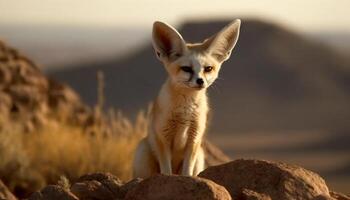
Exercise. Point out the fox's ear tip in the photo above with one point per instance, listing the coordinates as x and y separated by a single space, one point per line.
158 23
235 24
237 21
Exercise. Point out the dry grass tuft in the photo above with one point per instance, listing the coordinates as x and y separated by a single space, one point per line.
64 183
70 152
31 160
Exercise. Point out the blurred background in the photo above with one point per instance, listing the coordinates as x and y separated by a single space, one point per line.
284 94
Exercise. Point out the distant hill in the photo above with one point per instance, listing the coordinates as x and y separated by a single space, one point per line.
276 79
340 40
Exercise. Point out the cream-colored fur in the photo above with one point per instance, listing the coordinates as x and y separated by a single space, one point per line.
179 116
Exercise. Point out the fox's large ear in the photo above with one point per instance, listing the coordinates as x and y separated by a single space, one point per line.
221 44
167 42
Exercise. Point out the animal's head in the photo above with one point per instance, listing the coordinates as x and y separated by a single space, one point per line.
193 66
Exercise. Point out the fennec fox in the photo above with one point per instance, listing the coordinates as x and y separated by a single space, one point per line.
179 114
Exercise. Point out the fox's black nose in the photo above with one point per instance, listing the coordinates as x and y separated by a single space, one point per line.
200 81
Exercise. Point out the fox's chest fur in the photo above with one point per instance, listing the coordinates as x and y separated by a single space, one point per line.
179 119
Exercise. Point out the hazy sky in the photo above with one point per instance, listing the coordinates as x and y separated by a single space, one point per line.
307 15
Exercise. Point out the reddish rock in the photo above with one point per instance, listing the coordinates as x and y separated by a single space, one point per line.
99 176
53 192
98 186
91 190
339 196
251 195
277 180
323 197
129 186
26 91
173 187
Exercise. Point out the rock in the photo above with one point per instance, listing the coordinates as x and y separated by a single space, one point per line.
244 179
25 92
5 75
277 180
129 186
166 187
5 192
323 197
99 176
98 186
91 190
339 196
53 192
5 103
251 195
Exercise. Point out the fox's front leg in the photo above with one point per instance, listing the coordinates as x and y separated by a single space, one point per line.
195 134
164 159
190 158
163 155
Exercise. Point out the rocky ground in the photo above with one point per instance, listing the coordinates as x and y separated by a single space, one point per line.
238 180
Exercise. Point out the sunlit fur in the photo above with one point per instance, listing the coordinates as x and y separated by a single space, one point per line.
179 116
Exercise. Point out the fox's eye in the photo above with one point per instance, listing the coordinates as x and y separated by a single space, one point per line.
186 69
208 69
